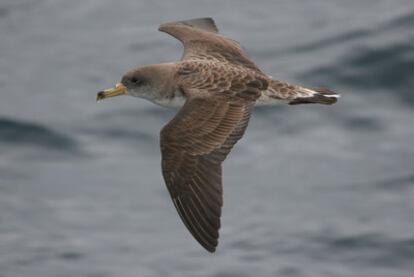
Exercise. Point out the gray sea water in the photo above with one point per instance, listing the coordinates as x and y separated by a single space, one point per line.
309 191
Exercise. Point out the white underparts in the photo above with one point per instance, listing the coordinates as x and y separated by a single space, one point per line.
266 99
178 101
175 102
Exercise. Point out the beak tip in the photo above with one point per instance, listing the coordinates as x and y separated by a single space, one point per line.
100 95
119 89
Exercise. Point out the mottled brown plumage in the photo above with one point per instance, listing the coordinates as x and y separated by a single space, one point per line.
219 86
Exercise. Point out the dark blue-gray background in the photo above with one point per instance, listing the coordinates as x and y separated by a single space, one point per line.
309 191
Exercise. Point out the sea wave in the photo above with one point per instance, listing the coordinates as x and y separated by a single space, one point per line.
16 132
371 63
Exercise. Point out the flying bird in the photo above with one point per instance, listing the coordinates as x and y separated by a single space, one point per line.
216 86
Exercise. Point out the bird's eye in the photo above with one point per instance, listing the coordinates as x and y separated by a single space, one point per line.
136 81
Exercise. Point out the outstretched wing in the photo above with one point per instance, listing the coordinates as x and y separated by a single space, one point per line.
193 145
201 40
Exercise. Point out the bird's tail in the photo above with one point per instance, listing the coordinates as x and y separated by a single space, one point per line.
279 91
316 96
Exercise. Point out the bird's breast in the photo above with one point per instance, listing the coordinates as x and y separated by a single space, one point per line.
176 101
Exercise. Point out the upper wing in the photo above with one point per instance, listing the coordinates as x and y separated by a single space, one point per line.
201 40
193 145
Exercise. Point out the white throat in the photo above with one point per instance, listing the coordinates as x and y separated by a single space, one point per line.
176 102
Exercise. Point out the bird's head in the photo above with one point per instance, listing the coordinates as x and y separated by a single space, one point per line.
145 82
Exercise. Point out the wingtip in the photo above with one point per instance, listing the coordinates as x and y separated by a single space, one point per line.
209 245
212 22
210 248
202 23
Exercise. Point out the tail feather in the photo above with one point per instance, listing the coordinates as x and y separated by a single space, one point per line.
280 91
317 96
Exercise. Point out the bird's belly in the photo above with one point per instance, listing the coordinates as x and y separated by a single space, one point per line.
175 102
178 101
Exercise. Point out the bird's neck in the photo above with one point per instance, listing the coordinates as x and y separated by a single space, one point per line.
165 85
164 89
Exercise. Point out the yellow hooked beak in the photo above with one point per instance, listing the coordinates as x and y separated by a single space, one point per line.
119 89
